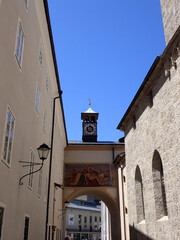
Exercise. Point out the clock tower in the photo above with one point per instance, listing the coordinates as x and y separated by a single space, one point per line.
89 125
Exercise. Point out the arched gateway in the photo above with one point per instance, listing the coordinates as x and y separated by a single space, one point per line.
90 170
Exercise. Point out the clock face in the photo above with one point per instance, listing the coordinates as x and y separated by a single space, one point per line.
89 129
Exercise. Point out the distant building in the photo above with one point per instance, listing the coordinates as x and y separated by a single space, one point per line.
83 218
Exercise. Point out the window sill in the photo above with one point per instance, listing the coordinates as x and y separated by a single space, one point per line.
142 222
165 218
7 165
30 188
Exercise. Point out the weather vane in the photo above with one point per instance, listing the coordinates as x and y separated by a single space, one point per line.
89 102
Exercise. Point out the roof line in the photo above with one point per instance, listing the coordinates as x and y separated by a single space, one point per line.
154 65
139 90
95 143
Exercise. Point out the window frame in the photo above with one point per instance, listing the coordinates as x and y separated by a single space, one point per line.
26 3
40 183
46 190
21 45
139 195
44 121
159 188
30 177
2 205
41 53
5 161
37 99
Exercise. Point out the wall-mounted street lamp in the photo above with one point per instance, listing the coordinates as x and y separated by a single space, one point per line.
43 152
66 204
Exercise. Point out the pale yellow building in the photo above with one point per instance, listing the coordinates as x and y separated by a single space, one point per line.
28 85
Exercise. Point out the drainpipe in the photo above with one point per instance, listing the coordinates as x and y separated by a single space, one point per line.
50 167
124 215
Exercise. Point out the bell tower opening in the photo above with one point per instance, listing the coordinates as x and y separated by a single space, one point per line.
89 125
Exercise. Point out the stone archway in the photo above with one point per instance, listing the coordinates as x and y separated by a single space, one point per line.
94 157
107 198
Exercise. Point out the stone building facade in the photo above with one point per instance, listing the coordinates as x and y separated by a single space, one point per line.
28 85
171 17
152 128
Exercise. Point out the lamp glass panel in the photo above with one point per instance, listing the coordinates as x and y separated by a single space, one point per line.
43 151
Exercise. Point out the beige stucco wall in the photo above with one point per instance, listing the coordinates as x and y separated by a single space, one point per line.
157 128
18 91
108 194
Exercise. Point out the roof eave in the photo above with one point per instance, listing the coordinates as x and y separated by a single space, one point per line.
120 125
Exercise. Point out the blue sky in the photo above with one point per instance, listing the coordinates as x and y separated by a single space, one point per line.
104 49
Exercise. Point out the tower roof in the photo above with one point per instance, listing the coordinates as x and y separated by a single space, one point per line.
90 110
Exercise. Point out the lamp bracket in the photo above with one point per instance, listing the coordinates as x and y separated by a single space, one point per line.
20 180
30 164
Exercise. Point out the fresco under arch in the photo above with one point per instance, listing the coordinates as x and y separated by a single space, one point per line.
87 175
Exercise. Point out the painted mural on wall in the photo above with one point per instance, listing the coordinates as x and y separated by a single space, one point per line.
88 175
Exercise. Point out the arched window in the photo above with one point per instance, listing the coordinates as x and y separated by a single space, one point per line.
159 187
93 119
139 196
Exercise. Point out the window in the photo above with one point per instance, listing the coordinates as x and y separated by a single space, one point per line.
76 236
44 121
19 44
124 178
95 219
41 54
8 137
26 228
85 219
139 196
30 181
52 103
45 191
58 234
1 220
37 100
90 219
47 82
40 183
79 219
159 186
26 3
